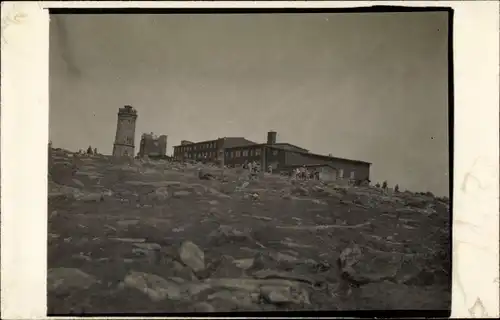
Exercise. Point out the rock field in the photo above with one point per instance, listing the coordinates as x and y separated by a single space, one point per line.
143 236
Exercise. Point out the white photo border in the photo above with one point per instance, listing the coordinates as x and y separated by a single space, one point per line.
24 116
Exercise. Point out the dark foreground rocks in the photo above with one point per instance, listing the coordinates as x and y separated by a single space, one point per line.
148 236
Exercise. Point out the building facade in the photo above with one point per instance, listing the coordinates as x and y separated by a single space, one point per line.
153 146
125 132
209 150
280 156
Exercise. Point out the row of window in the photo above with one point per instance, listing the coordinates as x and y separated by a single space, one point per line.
208 145
242 153
200 155
229 154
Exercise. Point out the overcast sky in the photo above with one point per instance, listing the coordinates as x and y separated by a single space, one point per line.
367 86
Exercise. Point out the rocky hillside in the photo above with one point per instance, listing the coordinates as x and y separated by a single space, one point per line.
154 236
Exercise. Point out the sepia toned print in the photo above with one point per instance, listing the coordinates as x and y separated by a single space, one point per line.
258 162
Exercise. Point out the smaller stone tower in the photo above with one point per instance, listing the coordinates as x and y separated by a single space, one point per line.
125 132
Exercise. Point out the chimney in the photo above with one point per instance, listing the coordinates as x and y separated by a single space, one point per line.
271 137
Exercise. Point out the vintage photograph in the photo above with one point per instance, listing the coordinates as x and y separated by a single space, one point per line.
262 161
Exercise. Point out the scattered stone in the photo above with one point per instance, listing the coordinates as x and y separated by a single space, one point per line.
202 307
244 263
148 246
352 272
227 234
273 274
90 197
155 287
126 223
160 194
300 191
81 256
238 297
258 217
181 271
246 284
218 194
78 183
133 240
180 229
225 268
192 256
316 201
291 244
284 295
280 257
65 280
181 193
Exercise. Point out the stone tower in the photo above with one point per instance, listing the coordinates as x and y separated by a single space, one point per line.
125 132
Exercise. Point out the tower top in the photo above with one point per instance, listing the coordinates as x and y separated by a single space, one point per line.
127 110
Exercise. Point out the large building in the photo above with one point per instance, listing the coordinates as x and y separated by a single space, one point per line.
153 146
235 151
125 132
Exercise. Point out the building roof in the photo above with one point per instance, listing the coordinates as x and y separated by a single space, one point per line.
320 156
232 142
229 142
279 144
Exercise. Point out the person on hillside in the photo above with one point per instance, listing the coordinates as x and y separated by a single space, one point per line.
297 174
384 187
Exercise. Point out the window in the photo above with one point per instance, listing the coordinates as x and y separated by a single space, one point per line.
185 155
245 153
257 152
352 175
251 153
238 154
227 154
341 173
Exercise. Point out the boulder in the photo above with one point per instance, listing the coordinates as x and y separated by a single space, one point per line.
155 287
65 280
284 295
192 256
